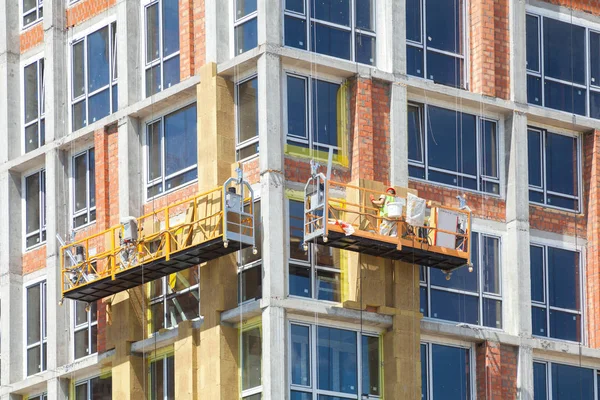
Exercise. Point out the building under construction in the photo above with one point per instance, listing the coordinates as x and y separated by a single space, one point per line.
299 199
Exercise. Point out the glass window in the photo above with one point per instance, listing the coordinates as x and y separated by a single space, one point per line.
251 355
162 378
36 328
35 209
553 169
445 372
557 60
329 28
174 298
245 26
85 328
93 77
469 297
98 388
556 292
335 361
567 381
162 69
34 98
434 32
318 261
250 270
450 139
172 151
39 397
84 188
319 128
247 118
33 11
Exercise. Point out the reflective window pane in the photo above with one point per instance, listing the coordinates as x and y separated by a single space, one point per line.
99 106
561 164
330 41
489 149
31 92
365 14
413 20
337 360
573 383
534 90
370 366
563 278
181 147
296 222
414 61
81 343
595 58
536 257
296 100
171 71
415 134
300 348
365 49
540 389
539 321
564 51
450 373
325 128
184 307
154 151
170 16
97 60
246 36
153 77
295 32
78 69
492 313
34 314
444 69
247 110
533 47
32 200
334 11
300 281
328 286
251 358
445 25
244 7
534 157
564 97
295 5
566 326
491 265
454 307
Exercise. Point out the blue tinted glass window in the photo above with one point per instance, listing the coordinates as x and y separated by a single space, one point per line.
370 365
97 62
335 11
365 14
573 383
491 265
99 105
489 149
365 49
539 321
300 396
594 104
534 157
492 313
299 281
454 307
296 98
461 279
413 20
415 134
300 355
424 369
561 164
170 27
180 140
450 373
444 69
444 25
295 32
536 256
330 41
563 278
595 58
295 5
566 326
534 90
533 47
414 61
423 308
296 231
324 97
564 97
337 360
564 51
540 389
245 7
246 36
171 72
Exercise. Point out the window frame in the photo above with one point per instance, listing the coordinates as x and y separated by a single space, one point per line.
242 268
161 58
88 209
41 232
41 282
480 178
549 362
111 24
38 10
589 27
313 389
352 29
244 393
43 396
87 325
40 62
546 303
165 371
88 382
239 146
238 22
465 57
472 364
146 144
543 189
481 295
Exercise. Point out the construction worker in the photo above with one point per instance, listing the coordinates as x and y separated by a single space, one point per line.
388 227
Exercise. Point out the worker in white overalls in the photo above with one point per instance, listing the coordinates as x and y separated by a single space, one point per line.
388 227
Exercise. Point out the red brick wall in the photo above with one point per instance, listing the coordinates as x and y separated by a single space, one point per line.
186 38
199 34
251 170
496 373
489 48
592 161
34 260
361 128
381 131
32 37
589 6
87 9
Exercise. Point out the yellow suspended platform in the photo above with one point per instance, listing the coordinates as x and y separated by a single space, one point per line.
344 216
168 240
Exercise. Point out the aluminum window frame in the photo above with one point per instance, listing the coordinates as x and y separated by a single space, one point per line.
41 98
423 44
312 389
87 325
43 396
38 10
163 178
161 57
43 340
112 81
472 366
165 373
238 22
88 209
245 393
546 303
480 178
239 146
481 295
542 189
352 28
309 141
241 268
542 14
41 232
548 366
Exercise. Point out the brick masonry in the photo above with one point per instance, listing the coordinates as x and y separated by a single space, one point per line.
87 9
32 37
496 374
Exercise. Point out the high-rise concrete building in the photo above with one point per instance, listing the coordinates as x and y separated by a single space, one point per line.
111 109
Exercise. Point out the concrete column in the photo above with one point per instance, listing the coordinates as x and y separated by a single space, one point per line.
391 46
58 388
518 51
128 52
218 24
57 218
130 167
398 136
10 110
270 23
273 230
525 373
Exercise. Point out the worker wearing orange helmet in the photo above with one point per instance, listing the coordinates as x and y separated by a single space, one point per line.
388 227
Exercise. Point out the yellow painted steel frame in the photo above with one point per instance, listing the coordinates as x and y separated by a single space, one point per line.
361 216
200 226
